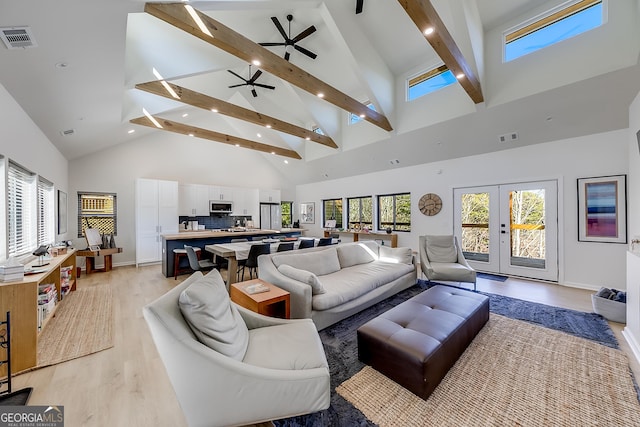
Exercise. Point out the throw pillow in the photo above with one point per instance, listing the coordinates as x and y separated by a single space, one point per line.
214 320
303 276
400 255
441 249
318 262
354 254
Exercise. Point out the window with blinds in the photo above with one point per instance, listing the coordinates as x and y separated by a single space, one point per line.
97 210
22 212
46 215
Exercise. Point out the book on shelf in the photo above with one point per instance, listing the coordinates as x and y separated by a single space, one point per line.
256 288
10 273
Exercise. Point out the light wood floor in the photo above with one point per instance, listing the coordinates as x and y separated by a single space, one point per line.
127 385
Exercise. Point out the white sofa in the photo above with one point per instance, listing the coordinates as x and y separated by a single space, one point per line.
332 283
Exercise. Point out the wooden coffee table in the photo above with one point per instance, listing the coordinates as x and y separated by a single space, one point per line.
274 303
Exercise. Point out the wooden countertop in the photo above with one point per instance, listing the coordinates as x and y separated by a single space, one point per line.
204 234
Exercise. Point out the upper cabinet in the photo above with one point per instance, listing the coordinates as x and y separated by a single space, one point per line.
194 200
245 202
221 193
270 196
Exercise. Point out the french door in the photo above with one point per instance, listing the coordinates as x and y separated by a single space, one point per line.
510 228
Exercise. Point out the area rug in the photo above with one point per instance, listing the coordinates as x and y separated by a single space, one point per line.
16 398
82 325
489 276
340 346
513 373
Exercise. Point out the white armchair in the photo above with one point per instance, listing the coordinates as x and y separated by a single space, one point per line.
441 258
283 373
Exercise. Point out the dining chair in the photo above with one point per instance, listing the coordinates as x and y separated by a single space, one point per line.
306 243
325 241
198 264
251 262
285 246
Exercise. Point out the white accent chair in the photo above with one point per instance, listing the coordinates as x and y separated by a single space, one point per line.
441 259
283 373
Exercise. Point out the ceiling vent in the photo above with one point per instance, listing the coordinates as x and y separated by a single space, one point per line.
508 137
17 37
67 132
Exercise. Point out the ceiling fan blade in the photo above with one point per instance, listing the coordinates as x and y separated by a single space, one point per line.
305 33
237 75
273 44
359 5
264 86
279 27
257 74
254 93
241 84
305 51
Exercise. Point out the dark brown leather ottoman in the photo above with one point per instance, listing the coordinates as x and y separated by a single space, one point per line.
417 342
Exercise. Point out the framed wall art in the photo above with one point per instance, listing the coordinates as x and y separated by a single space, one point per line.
62 212
602 209
308 213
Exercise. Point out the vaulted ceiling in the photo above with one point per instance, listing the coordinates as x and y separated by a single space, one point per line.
91 70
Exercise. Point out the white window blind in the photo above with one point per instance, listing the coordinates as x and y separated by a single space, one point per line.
46 215
21 210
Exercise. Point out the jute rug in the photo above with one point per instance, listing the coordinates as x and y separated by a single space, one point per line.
82 325
513 374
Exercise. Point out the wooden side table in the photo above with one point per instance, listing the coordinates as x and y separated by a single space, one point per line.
274 303
90 256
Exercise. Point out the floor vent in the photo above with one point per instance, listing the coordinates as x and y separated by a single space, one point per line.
17 37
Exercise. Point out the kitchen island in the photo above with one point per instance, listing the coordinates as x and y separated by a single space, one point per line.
201 238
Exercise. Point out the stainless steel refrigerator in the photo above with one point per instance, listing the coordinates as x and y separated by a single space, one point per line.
270 216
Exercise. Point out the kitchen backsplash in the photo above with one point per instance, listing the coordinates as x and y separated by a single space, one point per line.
221 221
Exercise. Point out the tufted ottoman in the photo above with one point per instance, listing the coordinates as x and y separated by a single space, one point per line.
417 342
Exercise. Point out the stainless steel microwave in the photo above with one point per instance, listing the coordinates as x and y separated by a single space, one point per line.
217 206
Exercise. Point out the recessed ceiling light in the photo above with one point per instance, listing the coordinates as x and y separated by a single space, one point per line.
273 152
308 138
259 135
237 145
286 161
185 114
256 62
62 64
428 31
268 126
362 116
215 110
459 76
320 95
190 134
131 131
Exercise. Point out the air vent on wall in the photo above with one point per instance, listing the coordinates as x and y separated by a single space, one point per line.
17 37
508 137
67 132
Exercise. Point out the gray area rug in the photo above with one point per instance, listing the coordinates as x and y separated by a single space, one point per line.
340 346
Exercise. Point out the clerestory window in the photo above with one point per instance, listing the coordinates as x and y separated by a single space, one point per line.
429 81
561 23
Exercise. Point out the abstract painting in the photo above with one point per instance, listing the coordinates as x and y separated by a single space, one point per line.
602 209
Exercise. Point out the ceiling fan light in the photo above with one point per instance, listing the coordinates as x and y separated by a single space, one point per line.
196 18
428 30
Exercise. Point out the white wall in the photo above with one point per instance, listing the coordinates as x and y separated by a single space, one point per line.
582 264
162 155
23 142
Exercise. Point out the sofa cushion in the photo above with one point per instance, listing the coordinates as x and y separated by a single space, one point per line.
214 320
303 276
350 283
293 346
353 254
441 249
401 255
318 262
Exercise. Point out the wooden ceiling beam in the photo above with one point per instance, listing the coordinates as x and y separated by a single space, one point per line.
181 128
199 100
213 32
424 15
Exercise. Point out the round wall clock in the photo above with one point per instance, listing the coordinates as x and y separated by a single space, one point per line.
430 204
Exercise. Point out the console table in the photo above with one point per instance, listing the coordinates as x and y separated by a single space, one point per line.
91 258
364 235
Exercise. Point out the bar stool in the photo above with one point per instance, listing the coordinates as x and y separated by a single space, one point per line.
178 254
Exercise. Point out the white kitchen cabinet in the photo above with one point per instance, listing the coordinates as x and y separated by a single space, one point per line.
270 196
194 200
225 194
246 202
156 209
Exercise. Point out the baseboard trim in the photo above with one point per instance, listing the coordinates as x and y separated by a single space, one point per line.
633 344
